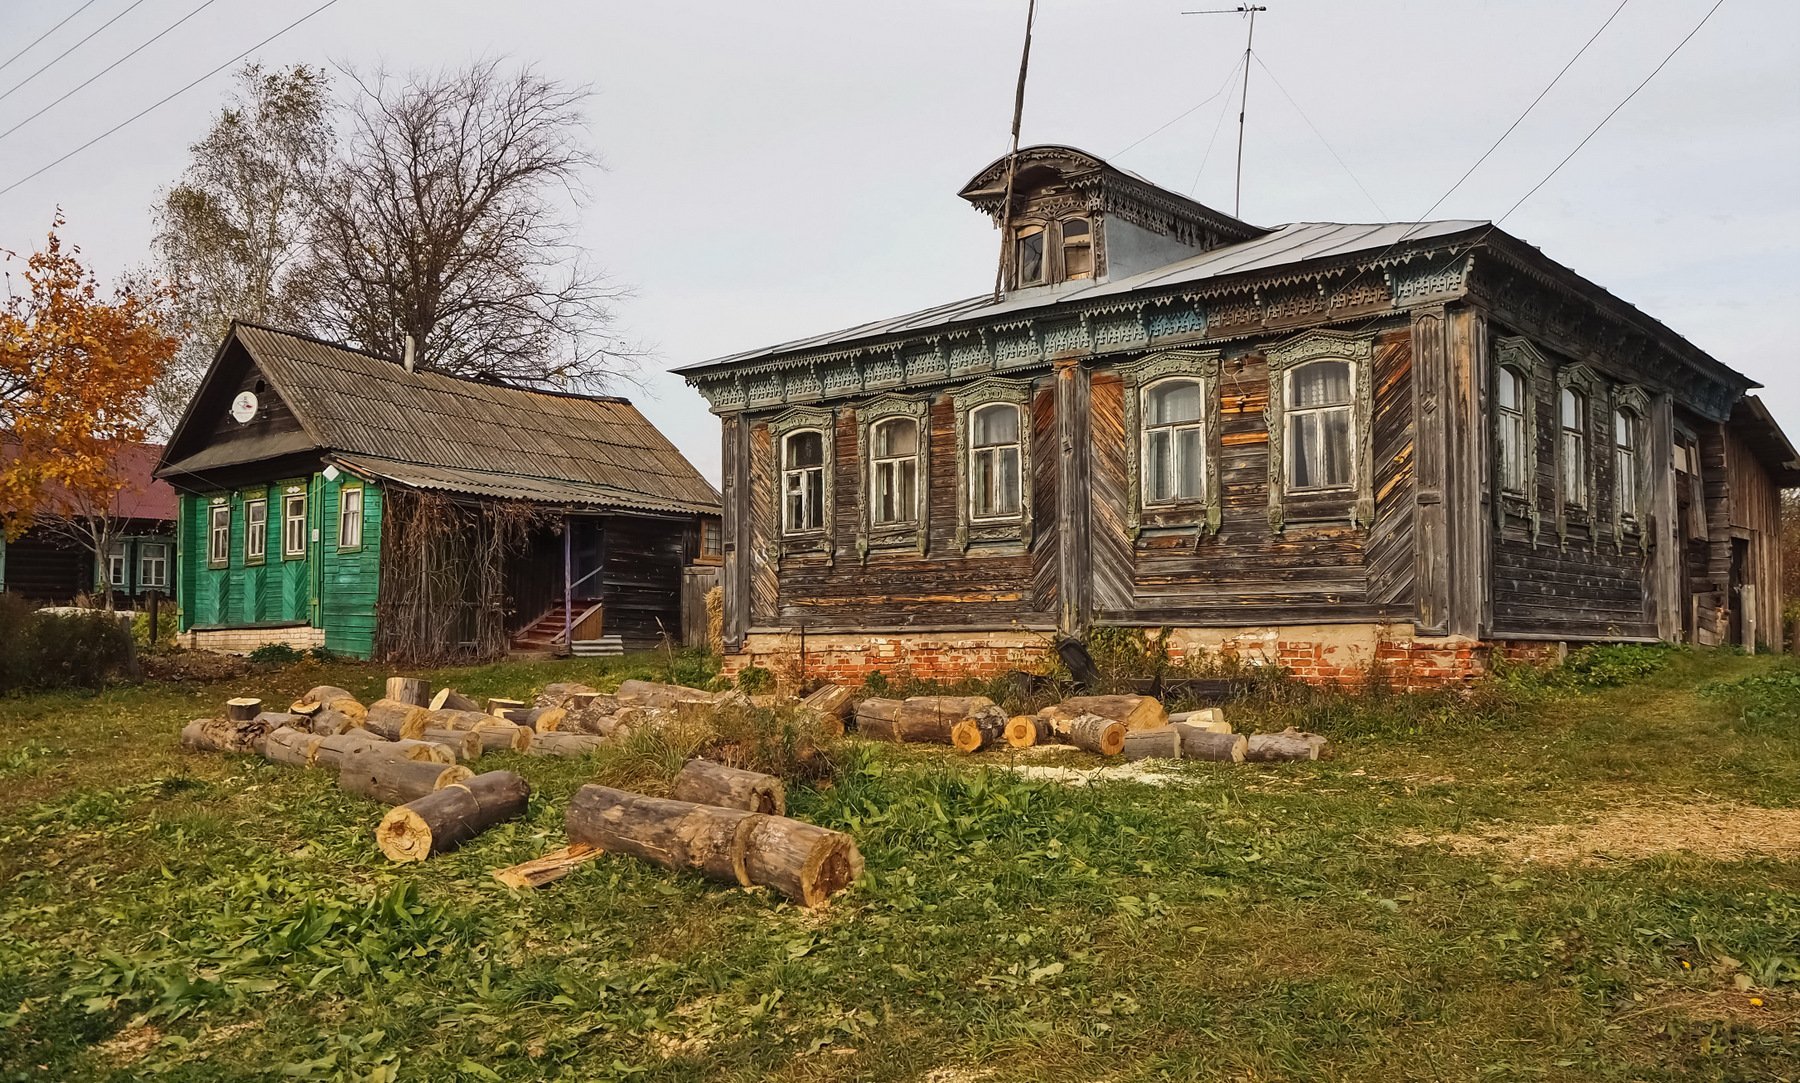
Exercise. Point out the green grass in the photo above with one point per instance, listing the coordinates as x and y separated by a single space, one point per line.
213 917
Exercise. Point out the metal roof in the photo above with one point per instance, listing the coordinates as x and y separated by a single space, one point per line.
1288 245
456 435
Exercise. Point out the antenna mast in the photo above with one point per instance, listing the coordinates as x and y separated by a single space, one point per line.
1237 201
1012 155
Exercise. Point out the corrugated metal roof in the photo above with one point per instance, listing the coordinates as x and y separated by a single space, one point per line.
1289 245
467 436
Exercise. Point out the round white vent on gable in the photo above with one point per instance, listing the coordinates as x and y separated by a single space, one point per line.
244 406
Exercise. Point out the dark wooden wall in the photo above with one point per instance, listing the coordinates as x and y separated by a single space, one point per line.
643 561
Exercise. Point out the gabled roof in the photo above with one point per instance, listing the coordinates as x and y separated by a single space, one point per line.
142 495
428 430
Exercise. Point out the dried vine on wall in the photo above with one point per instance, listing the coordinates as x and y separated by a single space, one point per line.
443 576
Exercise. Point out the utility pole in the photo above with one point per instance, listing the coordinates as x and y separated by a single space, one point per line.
1237 203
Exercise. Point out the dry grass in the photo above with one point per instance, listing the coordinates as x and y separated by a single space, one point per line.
1717 831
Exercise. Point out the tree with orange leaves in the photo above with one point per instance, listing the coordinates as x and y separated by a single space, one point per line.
75 367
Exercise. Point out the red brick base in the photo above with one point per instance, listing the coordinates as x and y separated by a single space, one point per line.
1317 654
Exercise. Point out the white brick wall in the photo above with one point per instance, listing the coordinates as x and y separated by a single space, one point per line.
245 640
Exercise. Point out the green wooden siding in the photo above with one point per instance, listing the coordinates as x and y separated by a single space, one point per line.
325 588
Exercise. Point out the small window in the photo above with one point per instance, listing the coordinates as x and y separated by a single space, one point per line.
1625 444
218 540
712 539
1030 262
994 462
256 530
293 525
1511 400
153 565
1574 412
350 517
1174 454
803 481
894 471
1319 421
115 564
1077 249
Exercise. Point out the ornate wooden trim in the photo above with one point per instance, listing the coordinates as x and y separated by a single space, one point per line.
876 535
981 393
1322 345
799 419
1520 355
1202 365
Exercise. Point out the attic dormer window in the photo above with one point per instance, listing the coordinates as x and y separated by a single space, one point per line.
1077 249
1030 262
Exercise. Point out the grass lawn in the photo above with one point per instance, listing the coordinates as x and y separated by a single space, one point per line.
1489 891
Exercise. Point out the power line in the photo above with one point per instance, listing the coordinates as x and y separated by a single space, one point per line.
90 37
165 100
203 6
1315 130
1615 109
34 41
1184 114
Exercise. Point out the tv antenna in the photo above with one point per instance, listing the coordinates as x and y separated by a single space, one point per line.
1250 10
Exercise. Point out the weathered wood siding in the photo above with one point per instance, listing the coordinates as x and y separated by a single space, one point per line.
349 579
1755 516
641 586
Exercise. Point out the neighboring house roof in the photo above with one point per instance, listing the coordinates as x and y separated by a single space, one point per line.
432 431
1759 429
143 496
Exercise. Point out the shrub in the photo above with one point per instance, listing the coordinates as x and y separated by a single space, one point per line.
62 650
1614 664
276 654
754 680
166 626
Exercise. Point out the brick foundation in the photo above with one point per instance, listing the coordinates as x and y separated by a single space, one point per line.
245 640
1318 654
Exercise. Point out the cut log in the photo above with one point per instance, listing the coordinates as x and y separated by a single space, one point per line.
393 719
496 707
557 693
449 817
465 745
503 738
242 709
367 773
832 701
1092 733
294 747
1021 731
921 718
327 697
652 694
329 720
1201 743
413 690
564 744
1289 744
331 750
806 863
551 867
984 728
1137 712
546 719
223 735
1206 718
277 719
1161 743
449 699
451 719
704 782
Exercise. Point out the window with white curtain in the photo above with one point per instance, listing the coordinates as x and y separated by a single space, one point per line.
894 471
218 540
803 481
1511 399
350 517
1320 418
1174 441
994 458
293 526
1625 444
1574 413
115 564
256 530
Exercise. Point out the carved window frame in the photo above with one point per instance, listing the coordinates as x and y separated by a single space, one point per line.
1283 358
969 530
1634 401
1523 358
917 532
1201 365
781 426
1576 376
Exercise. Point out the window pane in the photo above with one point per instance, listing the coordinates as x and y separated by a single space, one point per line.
1574 467
899 436
805 449
1188 462
1031 258
1336 445
1624 431
1170 401
1321 383
1508 396
1074 227
995 425
1159 467
1009 481
1078 250
907 491
1573 409
815 499
1627 468
1321 449
1512 452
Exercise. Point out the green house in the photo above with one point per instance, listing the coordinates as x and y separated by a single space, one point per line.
335 498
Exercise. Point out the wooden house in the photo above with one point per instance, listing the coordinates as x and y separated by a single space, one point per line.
335 498
55 562
1324 445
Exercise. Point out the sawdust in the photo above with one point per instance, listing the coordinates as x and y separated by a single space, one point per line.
1145 771
951 1073
1716 830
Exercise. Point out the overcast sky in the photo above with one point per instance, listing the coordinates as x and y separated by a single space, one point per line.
778 169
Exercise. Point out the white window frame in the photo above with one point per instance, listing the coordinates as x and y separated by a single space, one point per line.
294 526
1063 245
1291 414
218 535
1289 355
116 565
897 464
344 519
1574 460
1625 462
1515 471
993 450
1174 429
256 532
794 479
153 555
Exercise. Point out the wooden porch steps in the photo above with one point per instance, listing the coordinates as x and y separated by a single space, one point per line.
546 633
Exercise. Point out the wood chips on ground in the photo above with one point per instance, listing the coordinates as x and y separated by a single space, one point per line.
1719 831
